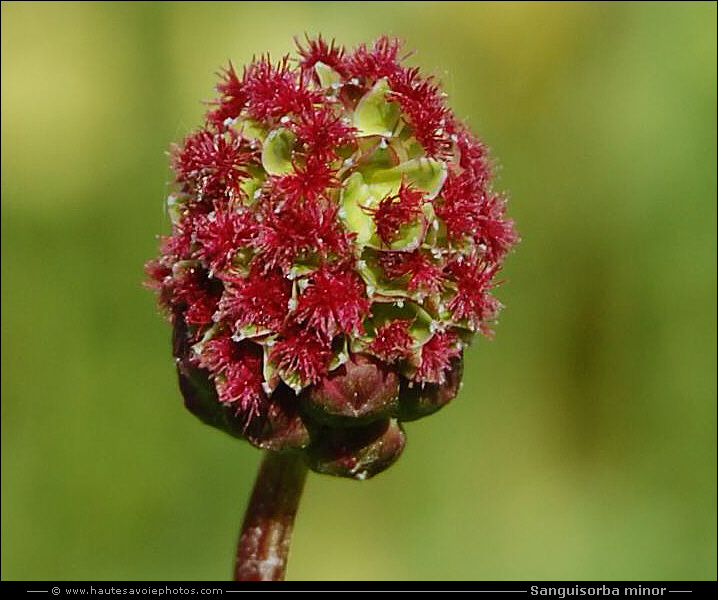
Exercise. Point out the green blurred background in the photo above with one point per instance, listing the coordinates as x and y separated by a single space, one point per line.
583 443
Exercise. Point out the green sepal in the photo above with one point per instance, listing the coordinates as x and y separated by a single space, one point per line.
252 186
340 348
251 332
328 77
359 344
356 198
436 305
277 152
176 207
425 174
373 275
375 153
305 266
436 232
293 380
252 130
273 374
269 370
182 268
413 148
409 239
242 260
359 199
382 286
374 114
209 335
384 313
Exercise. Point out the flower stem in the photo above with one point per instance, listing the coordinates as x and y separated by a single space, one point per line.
267 529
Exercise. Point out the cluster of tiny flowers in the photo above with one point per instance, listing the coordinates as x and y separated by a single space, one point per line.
331 206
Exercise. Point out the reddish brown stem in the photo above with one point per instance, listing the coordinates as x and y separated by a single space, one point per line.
267 529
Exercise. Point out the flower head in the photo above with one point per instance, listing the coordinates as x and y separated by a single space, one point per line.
334 249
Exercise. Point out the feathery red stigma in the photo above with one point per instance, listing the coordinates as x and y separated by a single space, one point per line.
212 164
436 357
393 341
260 300
423 275
380 61
219 235
233 97
394 212
304 352
422 102
274 91
473 301
318 50
334 301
